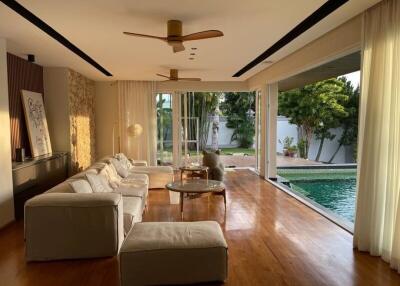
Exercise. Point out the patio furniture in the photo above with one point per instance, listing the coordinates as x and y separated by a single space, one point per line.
197 187
159 253
194 171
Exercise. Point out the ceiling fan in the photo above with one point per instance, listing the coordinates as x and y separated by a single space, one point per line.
175 38
173 75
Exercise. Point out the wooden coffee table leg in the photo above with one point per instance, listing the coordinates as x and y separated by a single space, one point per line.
181 203
224 194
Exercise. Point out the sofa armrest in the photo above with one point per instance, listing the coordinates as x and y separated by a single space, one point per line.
70 225
138 163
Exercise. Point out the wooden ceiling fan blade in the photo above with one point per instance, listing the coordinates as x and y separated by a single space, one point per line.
203 35
190 78
162 75
178 48
145 36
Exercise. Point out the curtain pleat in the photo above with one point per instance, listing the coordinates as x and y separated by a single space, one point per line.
137 105
377 224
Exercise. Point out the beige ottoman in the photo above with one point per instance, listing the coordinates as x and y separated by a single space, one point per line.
157 253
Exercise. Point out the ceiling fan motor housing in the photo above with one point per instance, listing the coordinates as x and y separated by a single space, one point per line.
174 32
173 74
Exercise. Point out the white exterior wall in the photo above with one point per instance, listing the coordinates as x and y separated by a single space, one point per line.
287 129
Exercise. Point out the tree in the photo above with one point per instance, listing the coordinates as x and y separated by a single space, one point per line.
349 124
201 105
315 109
164 123
239 108
215 128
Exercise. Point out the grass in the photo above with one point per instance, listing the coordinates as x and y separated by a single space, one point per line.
230 151
224 151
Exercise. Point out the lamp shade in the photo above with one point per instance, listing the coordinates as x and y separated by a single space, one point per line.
134 130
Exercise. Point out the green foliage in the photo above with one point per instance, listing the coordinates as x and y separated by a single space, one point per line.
164 120
349 123
239 108
315 109
301 146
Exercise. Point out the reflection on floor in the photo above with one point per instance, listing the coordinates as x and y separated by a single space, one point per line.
273 240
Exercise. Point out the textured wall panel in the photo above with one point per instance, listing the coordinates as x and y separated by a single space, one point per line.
21 75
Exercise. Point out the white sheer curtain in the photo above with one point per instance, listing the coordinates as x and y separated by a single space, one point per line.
377 225
137 105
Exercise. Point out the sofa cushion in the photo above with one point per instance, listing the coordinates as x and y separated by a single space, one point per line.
128 190
133 208
126 163
98 183
152 170
134 177
121 170
81 186
178 252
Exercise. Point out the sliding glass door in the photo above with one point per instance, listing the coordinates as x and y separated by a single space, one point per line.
164 129
257 127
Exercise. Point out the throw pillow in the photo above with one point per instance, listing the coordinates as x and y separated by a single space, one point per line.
81 186
123 172
98 183
124 160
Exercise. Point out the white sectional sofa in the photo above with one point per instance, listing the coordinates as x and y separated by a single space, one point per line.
89 214
77 219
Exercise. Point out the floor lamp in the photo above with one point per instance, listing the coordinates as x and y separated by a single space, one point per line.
134 131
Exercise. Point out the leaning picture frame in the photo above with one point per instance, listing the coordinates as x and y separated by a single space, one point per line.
36 122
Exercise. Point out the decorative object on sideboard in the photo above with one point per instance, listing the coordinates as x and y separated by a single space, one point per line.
36 122
19 154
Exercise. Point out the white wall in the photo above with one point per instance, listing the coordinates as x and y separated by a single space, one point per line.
55 83
329 147
6 185
284 128
337 43
106 118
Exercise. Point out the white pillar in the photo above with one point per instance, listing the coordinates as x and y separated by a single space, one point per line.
263 133
272 113
6 185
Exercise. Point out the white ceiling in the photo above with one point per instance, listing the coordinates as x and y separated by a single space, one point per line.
96 27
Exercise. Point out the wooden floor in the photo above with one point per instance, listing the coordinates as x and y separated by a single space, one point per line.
273 240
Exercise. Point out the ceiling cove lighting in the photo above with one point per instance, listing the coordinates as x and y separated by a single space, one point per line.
28 15
322 12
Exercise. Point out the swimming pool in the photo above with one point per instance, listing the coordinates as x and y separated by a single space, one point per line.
333 189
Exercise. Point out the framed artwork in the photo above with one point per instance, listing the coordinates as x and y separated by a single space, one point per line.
35 117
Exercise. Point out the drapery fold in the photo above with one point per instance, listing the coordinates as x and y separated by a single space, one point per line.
377 224
137 105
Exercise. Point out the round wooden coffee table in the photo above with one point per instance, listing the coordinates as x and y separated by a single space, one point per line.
198 187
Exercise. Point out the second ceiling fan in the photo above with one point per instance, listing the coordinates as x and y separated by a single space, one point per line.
173 76
176 39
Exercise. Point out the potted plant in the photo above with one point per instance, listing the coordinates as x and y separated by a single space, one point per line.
287 144
302 148
292 150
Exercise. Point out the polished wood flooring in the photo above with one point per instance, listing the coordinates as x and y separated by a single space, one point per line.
273 240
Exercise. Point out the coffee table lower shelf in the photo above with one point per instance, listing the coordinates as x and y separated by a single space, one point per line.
197 188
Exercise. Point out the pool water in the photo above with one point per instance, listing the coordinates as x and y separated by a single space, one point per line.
334 189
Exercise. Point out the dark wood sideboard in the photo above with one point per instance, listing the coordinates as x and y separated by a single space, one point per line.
37 175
